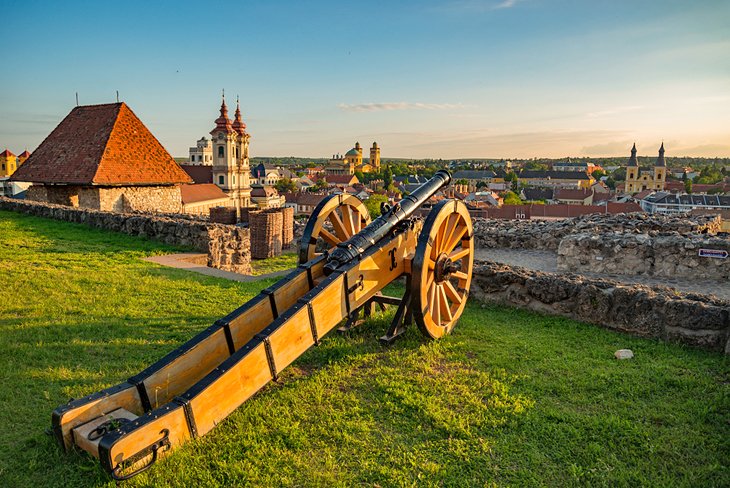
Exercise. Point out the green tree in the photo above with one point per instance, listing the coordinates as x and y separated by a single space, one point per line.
462 181
511 198
285 185
320 185
373 204
688 186
388 178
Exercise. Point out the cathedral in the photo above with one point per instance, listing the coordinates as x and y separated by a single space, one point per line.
352 161
638 180
231 171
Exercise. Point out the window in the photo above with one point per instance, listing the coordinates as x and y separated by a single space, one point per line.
234 179
220 151
221 179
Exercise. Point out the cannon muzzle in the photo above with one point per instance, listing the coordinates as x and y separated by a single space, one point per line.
380 227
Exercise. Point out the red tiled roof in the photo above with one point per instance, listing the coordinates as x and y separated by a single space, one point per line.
101 145
304 198
24 154
200 193
199 173
341 179
264 191
6 153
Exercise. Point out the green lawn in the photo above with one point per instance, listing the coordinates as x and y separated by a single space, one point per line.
510 398
286 261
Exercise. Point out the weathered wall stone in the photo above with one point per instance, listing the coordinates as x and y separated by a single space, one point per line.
162 199
228 247
657 312
547 234
666 255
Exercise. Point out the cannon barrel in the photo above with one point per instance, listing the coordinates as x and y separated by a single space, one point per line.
380 227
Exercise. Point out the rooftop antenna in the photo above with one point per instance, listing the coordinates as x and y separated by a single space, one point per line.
117 96
77 99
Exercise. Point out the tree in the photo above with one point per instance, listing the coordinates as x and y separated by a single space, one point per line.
388 178
462 181
320 185
373 204
597 174
688 186
360 176
285 185
511 198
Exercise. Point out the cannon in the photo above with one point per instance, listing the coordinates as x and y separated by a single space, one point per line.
345 261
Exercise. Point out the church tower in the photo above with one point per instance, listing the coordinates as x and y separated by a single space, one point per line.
660 170
228 157
242 162
375 157
632 172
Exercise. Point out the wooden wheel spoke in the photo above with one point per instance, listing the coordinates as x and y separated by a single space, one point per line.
459 254
451 292
339 227
445 308
430 263
451 224
455 239
436 305
329 237
347 220
460 274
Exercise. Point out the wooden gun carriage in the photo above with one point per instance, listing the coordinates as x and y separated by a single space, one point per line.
345 262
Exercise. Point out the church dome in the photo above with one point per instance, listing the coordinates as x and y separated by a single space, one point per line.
352 152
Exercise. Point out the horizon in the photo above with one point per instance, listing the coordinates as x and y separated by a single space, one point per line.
456 79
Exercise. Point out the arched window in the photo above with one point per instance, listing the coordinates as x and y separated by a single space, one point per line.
220 151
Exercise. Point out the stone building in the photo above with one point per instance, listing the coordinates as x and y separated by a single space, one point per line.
202 153
352 161
231 170
103 157
638 180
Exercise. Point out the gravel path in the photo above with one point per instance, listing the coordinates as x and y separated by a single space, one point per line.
547 261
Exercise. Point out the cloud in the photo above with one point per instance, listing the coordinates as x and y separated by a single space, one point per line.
614 111
377 107
481 5
611 148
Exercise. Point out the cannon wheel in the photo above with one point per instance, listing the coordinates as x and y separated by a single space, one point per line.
347 214
442 268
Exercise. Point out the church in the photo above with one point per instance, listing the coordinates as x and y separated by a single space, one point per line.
353 161
638 180
230 141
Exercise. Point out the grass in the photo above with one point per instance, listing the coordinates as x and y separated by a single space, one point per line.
284 262
510 398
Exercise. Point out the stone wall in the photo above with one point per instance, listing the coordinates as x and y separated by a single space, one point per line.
162 199
547 234
228 247
660 313
666 255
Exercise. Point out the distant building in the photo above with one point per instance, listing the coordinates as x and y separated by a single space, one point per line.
103 157
231 170
669 203
475 176
202 153
574 197
555 179
568 165
638 180
8 163
266 197
352 161
303 203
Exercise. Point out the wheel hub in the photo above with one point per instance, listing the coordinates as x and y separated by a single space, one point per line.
444 267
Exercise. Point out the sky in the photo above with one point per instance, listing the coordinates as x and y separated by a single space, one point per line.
425 79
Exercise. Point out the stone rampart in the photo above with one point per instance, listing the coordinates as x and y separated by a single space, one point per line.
665 255
547 234
228 247
660 313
